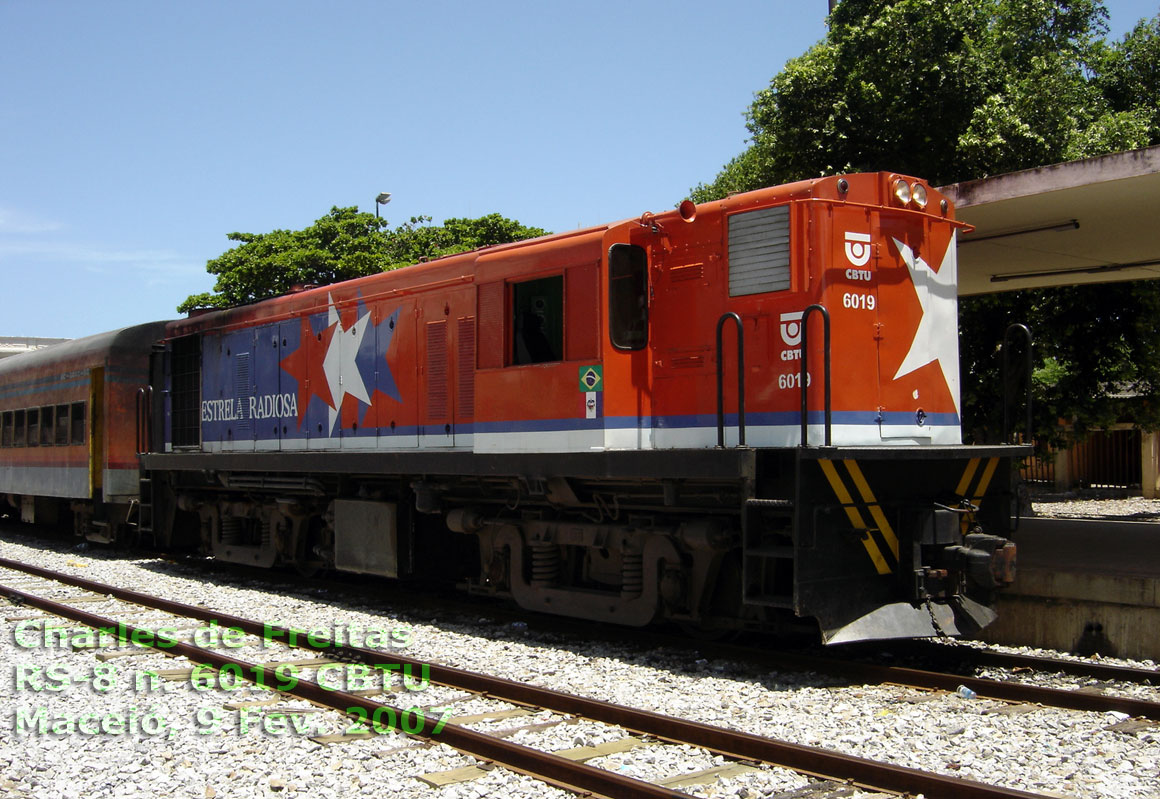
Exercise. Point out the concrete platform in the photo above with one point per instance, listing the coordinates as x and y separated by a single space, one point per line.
1084 586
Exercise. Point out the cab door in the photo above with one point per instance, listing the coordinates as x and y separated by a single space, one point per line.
626 380
853 297
918 351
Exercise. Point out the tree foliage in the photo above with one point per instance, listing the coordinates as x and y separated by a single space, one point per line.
954 90
951 90
341 245
1093 361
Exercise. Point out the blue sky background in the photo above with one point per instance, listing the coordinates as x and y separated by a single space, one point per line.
135 135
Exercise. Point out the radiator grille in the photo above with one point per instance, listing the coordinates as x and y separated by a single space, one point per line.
437 371
185 394
465 367
242 424
759 251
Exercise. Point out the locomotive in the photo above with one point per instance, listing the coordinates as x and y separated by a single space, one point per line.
733 415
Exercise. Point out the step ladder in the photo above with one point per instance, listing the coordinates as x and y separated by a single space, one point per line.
142 507
768 552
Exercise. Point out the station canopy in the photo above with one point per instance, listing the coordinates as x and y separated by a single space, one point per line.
1089 221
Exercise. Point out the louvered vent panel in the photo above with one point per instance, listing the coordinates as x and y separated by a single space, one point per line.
437 371
759 251
465 394
186 396
242 392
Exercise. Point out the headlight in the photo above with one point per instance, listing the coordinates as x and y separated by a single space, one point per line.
902 191
918 194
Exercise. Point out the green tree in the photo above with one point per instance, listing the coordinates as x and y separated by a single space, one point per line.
341 245
954 90
1128 76
1093 358
950 90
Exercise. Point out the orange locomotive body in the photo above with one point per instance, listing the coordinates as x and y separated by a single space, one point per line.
732 415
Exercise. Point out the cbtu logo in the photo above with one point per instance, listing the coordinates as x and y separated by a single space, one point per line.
791 328
858 248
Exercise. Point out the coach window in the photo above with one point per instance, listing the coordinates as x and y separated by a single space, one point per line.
538 320
19 431
60 439
47 429
78 423
34 427
6 429
628 296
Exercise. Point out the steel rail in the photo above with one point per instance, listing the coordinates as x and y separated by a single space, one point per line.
1080 668
545 766
991 689
815 761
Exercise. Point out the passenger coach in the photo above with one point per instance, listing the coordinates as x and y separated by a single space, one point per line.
68 430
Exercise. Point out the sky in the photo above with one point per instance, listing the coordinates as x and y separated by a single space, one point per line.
135 135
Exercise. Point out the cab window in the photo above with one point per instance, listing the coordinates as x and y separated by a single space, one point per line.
538 320
628 296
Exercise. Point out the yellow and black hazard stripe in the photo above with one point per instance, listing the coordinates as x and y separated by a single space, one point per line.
964 489
879 539
980 488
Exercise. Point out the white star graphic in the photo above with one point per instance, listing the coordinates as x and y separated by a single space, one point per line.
342 374
937 336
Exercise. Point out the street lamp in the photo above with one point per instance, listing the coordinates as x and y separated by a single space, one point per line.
383 198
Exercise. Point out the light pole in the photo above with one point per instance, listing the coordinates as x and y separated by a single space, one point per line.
383 198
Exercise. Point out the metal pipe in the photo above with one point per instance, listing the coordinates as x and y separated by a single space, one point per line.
804 375
740 380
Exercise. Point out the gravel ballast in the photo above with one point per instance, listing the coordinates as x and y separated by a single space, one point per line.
194 746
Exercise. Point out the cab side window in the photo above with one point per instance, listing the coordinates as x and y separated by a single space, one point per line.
628 296
538 320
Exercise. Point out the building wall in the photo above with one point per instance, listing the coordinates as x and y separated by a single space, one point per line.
14 345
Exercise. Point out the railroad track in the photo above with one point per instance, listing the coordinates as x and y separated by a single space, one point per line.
1003 690
559 769
948 659
979 658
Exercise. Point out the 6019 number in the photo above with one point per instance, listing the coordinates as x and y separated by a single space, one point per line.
865 302
792 380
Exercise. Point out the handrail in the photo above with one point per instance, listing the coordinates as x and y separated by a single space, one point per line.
1006 399
740 380
803 376
144 420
